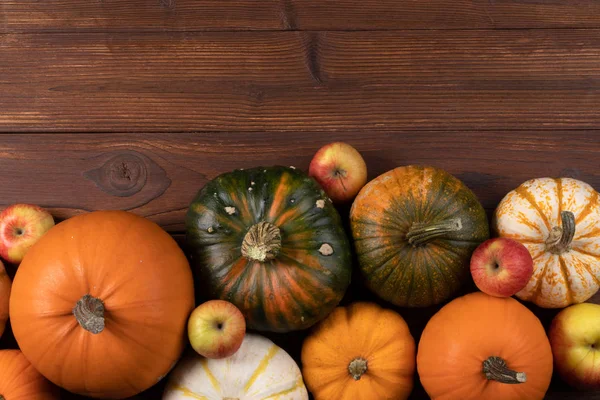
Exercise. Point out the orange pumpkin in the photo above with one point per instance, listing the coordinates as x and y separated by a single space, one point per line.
558 220
480 347
100 303
20 381
359 352
5 285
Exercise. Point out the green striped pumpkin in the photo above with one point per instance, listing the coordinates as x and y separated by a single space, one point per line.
269 241
414 230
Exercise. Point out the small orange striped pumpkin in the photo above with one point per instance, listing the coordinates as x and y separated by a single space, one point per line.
558 220
259 370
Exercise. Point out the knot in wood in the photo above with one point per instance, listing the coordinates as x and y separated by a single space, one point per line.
123 175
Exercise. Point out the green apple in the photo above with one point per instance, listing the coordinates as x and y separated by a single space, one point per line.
216 329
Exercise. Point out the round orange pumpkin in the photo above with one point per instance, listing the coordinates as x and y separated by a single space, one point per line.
20 381
100 303
480 347
360 352
5 285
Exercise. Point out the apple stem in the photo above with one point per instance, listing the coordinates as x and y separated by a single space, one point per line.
89 312
262 242
560 237
357 368
421 232
495 368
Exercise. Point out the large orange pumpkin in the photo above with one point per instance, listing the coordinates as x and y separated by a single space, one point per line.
558 220
360 352
20 381
480 347
100 303
5 285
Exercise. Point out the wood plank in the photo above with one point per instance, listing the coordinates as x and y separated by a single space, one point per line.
157 175
187 15
294 81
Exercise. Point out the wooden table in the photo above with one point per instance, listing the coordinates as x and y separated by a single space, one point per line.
135 104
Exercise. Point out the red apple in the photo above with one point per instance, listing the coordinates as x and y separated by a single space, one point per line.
21 226
501 267
216 329
340 170
575 340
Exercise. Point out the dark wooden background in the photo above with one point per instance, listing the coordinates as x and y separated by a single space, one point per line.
136 104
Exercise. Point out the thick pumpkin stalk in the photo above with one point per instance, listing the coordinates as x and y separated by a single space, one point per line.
560 237
262 242
357 368
495 368
89 312
420 233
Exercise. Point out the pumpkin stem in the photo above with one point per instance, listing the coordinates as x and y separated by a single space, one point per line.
495 368
560 237
421 232
89 312
357 368
1 397
262 242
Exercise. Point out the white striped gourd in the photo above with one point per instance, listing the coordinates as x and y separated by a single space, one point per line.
259 370
558 220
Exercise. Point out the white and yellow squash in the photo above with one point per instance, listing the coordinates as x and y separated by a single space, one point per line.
558 220
259 370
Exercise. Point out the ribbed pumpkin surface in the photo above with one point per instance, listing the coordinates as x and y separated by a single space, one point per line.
414 230
307 266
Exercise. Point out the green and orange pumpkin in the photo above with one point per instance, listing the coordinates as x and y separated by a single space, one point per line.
269 241
414 229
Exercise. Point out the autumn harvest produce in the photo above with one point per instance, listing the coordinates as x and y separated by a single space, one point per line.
501 267
5 286
482 347
362 351
269 241
21 226
414 229
259 370
256 303
558 220
340 170
575 339
19 380
99 304
216 329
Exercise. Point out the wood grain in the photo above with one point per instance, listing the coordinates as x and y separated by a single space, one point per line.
192 15
157 175
294 81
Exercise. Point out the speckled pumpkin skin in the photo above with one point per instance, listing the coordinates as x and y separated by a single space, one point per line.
529 213
381 216
304 282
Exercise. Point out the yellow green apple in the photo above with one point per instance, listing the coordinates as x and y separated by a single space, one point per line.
21 226
216 329
575 339
340 170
